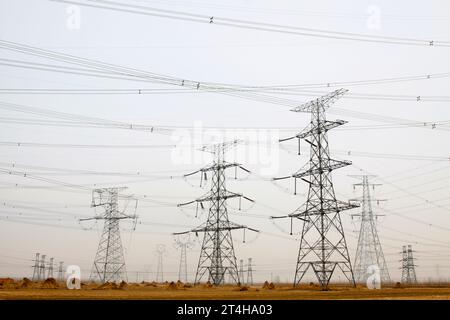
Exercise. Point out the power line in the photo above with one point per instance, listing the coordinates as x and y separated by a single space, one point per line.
163 79
213 86
253 25
296 92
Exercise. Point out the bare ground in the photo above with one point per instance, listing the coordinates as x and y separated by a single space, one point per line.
12 289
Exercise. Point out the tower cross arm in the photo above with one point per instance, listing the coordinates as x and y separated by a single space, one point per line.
109 218
212 197
210 228
329 206
324 101
323 126
332 165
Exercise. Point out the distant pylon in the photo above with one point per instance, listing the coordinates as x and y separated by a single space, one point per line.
50 268
36 268
249 272
109 263
217 257
42 268
241 270
369 251
182 270
322 244
60 271
183 243
408 266
160 251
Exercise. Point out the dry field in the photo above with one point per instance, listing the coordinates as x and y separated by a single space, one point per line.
50 289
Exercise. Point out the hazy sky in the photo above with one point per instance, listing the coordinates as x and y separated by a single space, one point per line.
417 208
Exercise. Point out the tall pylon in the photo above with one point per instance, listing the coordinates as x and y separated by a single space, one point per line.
241 270
36 268
42 268
50 268
183 243
60 271
408 266
249 272
217 255
109 263
369 251
322 245
160 251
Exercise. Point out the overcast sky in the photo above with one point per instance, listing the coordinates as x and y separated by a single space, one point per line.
416 188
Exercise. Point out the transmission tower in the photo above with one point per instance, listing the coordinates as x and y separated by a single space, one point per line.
60 271
241 270
42 268
109 263
249 272
50 268
36 268
160 251
408 266
322 246
183 242
217 253
369 251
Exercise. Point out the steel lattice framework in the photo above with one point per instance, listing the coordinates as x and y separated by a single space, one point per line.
217 256
109 263
249 272
160 252
408 266
183 243
61 271
36 269
322 245
369 251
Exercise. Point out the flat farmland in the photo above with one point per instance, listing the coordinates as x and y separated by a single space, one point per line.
41 290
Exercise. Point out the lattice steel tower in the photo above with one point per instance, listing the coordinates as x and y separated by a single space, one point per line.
36 269
249 272
42 268
322 246
183 243
369 251
408 266
217 255
160 251
61 271
109 263
241 270
50 268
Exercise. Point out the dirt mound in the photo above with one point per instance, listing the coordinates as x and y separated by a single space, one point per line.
187 285
172 286
25 283
107 285
269 286
207 285
242 288
151 284
398 285
123 285
50 283
7 283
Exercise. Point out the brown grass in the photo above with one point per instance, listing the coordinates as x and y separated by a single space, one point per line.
26 289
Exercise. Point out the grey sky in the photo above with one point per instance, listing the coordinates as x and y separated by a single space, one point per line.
415 189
